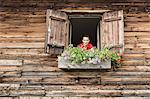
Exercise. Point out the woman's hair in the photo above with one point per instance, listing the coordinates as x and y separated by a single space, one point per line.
86 36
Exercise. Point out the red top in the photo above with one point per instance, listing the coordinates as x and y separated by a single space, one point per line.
89 46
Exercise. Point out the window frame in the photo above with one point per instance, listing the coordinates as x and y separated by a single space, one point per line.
87 15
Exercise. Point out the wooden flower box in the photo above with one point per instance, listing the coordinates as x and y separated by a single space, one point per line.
66 64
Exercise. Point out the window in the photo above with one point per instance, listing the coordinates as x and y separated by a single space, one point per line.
83 25
105 30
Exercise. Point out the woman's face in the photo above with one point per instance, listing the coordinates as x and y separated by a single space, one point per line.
85 40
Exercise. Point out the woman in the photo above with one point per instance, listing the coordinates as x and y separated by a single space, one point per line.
86 45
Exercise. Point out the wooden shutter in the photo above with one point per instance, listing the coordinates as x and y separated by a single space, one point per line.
98 36
57 32
112 30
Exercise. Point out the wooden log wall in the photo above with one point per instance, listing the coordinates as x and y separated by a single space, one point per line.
26 72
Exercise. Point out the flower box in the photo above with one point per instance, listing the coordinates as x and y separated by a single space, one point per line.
66 64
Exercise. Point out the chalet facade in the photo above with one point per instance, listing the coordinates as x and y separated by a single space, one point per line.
30 28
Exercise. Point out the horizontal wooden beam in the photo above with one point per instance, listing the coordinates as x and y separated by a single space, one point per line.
112 19
84 10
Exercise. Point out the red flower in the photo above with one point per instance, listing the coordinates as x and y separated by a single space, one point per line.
119 61
120 54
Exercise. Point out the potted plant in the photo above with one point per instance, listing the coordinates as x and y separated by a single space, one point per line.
77 58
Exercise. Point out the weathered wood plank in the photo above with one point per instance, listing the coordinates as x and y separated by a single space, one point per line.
41 68
134 62
7 10
6 97
40 62
21 39
21 45
99 93
9 85
137 39
68 80
25 56
137 51
134 19
126 74
133 28
105 80
19 20
80 97
10 72
10 62
137 24
134 68
22 51
21 80
5 25
9 68
139 15
92 87
136 45
27 92
79 1
38 34
22 14
134 56
30 97
82 74
137 34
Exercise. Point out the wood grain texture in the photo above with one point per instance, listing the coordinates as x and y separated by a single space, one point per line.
10 62
26 70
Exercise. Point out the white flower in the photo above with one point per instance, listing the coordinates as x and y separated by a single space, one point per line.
94 61
83 62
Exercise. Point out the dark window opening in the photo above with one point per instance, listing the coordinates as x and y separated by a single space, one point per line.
84 26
